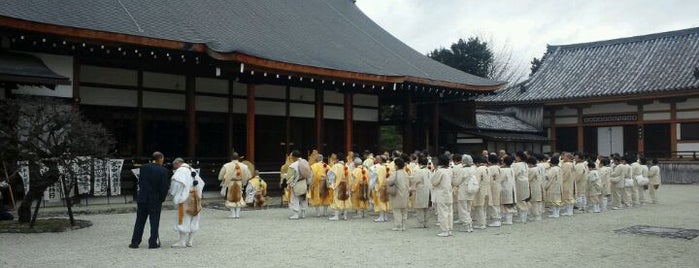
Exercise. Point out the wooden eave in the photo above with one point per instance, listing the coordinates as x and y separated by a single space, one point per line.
110 37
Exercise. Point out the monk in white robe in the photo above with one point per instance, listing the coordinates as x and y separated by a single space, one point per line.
653 181
604 172
441 181
508 193
186 190
521 171
466 190
568 184
553 187
420 186
399 198
536 186
594 187
580 174
493 211
233 176
298 203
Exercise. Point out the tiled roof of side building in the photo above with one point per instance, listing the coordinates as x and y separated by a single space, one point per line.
494 120
330 34
661 62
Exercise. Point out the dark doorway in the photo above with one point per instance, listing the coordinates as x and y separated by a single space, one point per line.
590 140
567 139
631 139
656 140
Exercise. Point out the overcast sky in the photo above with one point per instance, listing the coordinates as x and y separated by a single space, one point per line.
526 26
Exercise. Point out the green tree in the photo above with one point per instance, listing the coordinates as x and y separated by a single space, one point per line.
472 56
47 134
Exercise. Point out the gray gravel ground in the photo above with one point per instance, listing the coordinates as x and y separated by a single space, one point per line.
267 239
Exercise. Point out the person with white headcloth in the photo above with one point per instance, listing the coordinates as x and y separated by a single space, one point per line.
186 189
441 181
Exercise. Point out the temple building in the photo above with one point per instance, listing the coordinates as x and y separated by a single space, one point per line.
636 94
203 78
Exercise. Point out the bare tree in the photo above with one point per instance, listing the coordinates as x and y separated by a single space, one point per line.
49 135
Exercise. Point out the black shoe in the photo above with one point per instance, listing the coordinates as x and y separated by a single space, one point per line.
133 246
154 246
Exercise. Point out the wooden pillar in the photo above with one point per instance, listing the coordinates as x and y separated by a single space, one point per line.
552 127
408 136
435 127
639 126
287 114
348 121
191 117
319 120
139 114
229 121
673 129
581 132
76 84
250 124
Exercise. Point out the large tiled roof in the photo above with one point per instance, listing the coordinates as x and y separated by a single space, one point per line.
329 34
24 69
661 62
494 120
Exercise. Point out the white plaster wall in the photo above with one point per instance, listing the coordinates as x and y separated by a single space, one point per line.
566 120
108 97
333 97
302 110
610 108
240 106
467 140
211 104
106 75
691 103
656 116
211 85
333 112
688 115
240 89
688 146
366 100
678 135
464 135
164 81
270 108
362 114
159 100
656 106
59 64
302 94
567 111
270 91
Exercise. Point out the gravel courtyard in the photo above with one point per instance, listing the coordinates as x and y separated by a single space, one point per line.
267 239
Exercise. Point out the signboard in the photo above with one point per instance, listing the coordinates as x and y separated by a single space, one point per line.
610 118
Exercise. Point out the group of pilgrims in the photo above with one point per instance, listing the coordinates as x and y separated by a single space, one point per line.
471 192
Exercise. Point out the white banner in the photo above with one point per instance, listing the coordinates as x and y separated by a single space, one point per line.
101 178
114 171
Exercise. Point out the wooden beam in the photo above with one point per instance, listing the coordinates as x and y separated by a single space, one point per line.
250 124
640 127
287 115
229 121
552 127
348 121
581 131
435 127
76 83
673 129
101 36
408 132
319 114
191 117
139 114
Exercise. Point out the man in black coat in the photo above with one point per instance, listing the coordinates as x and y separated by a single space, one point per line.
153 184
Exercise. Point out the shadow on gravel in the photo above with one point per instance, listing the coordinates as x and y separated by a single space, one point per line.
666 232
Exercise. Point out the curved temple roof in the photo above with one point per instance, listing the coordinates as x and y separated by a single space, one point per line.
661 63
325 35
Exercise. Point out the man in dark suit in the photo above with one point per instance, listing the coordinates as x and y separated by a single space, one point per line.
153 184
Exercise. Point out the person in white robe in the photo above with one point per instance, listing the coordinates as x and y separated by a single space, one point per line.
185 185
298 203
233 176
441 181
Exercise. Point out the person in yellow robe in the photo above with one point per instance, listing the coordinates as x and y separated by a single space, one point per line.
360 188
339 179
380 196
319 192
286 193
256 191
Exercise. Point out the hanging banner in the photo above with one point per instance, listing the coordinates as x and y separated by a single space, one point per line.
101 179
23 167
54 192
114 172
136 172
81 169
